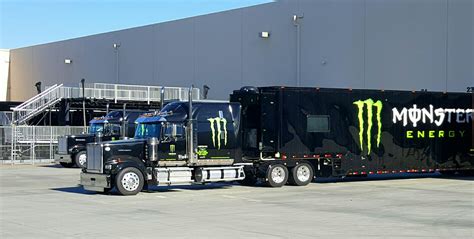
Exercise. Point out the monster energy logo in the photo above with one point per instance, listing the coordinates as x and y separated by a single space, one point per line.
370 104
202 151
218 124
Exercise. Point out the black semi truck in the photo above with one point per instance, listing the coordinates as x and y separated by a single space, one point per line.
280 135
113 126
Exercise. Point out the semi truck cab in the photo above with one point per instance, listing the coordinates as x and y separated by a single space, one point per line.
113 126
185 143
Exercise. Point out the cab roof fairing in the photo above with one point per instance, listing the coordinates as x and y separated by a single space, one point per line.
116 117
149 120
182 114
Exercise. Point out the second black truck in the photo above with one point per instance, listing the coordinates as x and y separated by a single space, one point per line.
113 126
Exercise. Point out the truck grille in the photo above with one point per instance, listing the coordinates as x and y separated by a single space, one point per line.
94 158
62 144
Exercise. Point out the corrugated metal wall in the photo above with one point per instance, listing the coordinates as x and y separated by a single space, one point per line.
392 44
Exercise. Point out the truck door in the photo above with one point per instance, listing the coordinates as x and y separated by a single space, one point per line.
173 142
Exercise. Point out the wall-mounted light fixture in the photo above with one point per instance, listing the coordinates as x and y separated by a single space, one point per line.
67 61
264 34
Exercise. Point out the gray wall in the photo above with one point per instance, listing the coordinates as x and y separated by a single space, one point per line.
375 44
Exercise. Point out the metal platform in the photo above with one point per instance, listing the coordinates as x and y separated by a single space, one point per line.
115 93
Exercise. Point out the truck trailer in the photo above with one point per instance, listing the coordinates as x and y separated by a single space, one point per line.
288 135
113 126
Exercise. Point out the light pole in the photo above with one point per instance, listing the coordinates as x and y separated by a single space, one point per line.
84 103
296 23
116 48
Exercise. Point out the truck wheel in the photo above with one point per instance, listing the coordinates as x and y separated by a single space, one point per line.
67 165
277 175
301 175
80 159
129 181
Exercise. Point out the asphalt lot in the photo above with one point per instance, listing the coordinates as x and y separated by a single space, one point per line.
45 202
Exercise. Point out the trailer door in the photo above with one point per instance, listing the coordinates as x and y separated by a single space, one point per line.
270 119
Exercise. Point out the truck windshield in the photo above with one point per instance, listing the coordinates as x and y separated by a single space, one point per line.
112 129
95 128
147 130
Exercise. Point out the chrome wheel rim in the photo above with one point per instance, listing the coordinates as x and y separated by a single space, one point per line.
278 174
82 159
130 181
303 173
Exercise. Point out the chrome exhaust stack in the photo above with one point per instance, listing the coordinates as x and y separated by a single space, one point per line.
192 160
162 97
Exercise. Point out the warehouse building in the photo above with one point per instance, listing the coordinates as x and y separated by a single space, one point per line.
368 44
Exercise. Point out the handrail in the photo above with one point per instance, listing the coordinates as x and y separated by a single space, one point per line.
127 92
36 104
55 86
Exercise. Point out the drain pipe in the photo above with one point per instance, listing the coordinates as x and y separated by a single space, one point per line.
190 141
298 48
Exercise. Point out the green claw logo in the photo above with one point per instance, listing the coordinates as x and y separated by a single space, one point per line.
220 123
370 104
202 151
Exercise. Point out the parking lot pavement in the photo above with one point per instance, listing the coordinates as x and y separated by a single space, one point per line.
46 201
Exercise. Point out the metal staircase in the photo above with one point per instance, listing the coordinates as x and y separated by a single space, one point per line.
37 104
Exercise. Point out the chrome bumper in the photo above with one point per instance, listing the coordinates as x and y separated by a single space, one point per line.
95 182
63 158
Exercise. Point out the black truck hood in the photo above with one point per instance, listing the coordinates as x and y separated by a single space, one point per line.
78 137
123 141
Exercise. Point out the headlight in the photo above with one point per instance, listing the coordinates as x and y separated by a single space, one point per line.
108 166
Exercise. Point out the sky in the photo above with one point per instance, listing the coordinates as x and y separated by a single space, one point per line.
32 22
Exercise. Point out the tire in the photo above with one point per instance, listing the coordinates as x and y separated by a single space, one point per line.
129 181
277 175
301 175
80 159
67 165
